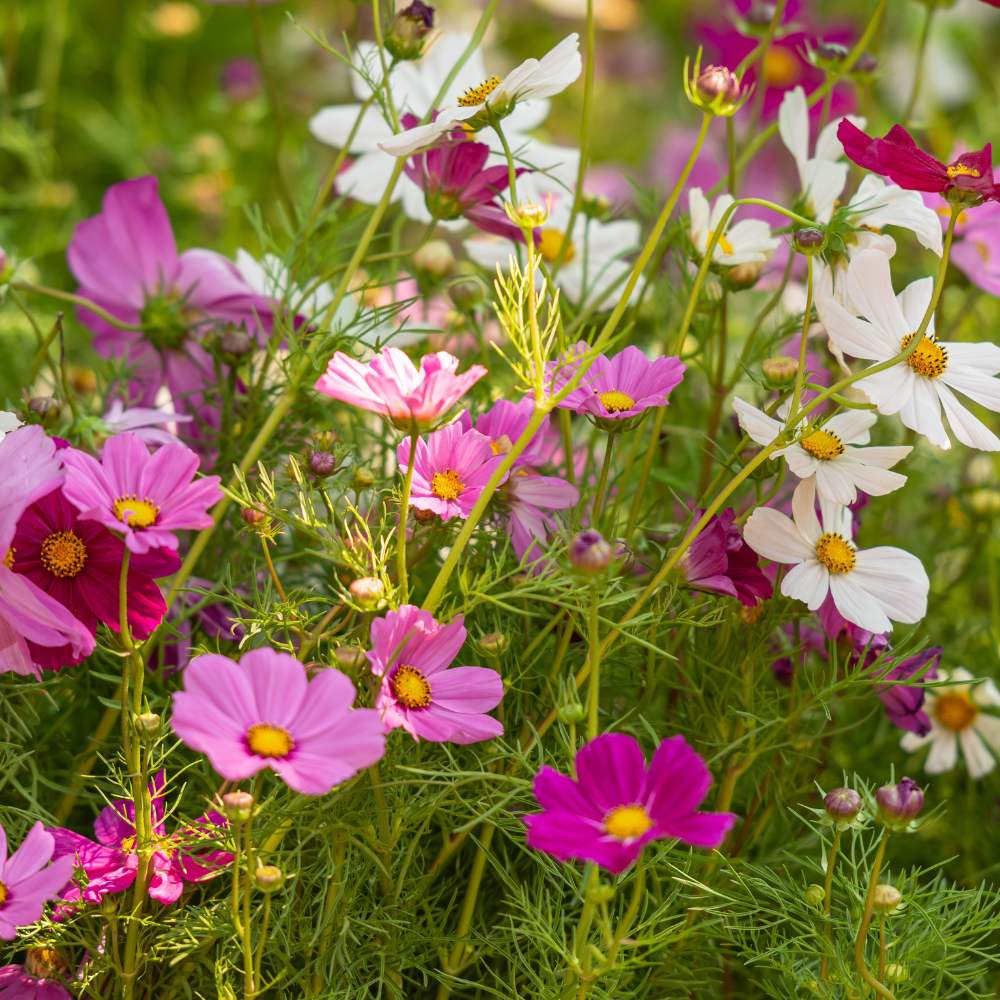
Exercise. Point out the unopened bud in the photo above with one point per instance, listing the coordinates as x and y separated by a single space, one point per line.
368 592
363 479
269 878
842 804
865 65
590 553
350 658
408 31
45 409
780 370
809 240
424 516
718 82
743 276
601 892
238 805
572 713
493 643
147 724
752 614
83 381
886 898
527 214
467 293
830 53
899 803
41 963
435 258
235 344
322 464
254 518
896 973
814 895
596 206
760 14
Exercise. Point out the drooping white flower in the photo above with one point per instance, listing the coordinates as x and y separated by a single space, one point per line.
748 241
919 387
533 80
958 721
871 587
833 453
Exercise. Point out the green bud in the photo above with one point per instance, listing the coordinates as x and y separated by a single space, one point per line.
269 878
815 895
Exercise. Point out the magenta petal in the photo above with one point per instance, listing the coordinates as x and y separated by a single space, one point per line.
611 770
705 829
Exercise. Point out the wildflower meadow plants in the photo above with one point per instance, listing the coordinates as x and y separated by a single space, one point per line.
487 561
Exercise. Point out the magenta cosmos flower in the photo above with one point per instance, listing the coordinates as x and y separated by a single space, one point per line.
265 712
126 261
34 980
78 563
618 387
719 560
143 497
421 693
27 880
110 863
391 385
504 422
28 615
899 158
617 804
450 468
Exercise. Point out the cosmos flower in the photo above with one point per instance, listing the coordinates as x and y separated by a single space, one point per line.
976 247
720 561
870 587
527 499
143 497
836 453
34 980
504 422
27 880
8 422
962 714
919 387
110 863
905 704
264 712
153 426
421 692
618 804
748 241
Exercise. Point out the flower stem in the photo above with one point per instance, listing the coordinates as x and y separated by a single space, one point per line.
800 375
866 919
76 300
511 167
594 658
930 9
602 481
824 965
246 927
404 513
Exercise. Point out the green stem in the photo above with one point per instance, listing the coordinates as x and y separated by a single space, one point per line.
628 917
246 927
824 965
866 919
404 513
594 658
602 481
930 9
800 375
511 167
76 300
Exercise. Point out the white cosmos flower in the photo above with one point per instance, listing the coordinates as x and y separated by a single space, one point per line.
919 387
748 241
958 720
870 587
832 454
414 84
8 423
533 80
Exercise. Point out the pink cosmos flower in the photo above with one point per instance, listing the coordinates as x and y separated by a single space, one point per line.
141 496
618 387
27 880
617 804
504 422
78 563
450 469
152 425
265 712
31 470
719 560
392 386
110 863
28 982
421 693
976 250
528 498
904 703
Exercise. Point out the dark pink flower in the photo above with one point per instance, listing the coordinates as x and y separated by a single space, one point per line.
24 982
720 561
504 422
904 703
617 804
27 880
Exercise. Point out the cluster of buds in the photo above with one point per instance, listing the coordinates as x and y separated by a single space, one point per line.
407 34
716 90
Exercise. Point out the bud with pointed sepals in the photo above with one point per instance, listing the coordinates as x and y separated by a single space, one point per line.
780 370
467 292
590 553
322 464
493 643
368 592
350 658
407 34
363 479
716 90
256 520
238 805
896 973
900 803
814 895
147 725
886 898
842 805
742 276
235 344
527 214
810 240
572 713
268 878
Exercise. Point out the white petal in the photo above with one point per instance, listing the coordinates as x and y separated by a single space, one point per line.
699 212
881 456
983 389
986 694
793 126
914 300
969 429
801 463
894 578
857 605
944 753
988 727
856 337
911 741
823 183
883 204
922 412
774 536
834 483
852 426
335 124
808 582
891 390
978 759
828 146
869 283
804 511
983 358
755 423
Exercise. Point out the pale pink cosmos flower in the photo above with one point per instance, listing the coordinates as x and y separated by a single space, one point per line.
27 880
421 692
392 386
450 468
143 497
264 712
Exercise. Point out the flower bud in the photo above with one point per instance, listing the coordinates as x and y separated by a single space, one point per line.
899 803
809 240
842 804
896 973
147 725
238 805
255 518
493 643
780 370
572 713
832 53
235 344
82 381
268 878
350 658
886 898
363 479
760 15
590 553
742 276
718 82
601 892
45 409
715 90
240 80
865 65
467 293
596 206
814 895
435 258
368 592
751 615
424 516
408 31
322 464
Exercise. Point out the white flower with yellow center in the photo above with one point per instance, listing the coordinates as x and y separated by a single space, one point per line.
749 241
870 587
958 719
919 387
833 452
533 80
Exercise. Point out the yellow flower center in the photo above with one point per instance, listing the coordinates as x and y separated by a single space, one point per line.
410 687
3 894
823 445
836 553
962 170
447 485
8 559
44 963
550 244
477 95
164 845
929 359
627 822
781 68
723 244
955 710
616 402
266 740
63 554
134 512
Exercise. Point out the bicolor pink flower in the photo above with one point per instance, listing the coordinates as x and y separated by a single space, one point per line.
450 468
30 982
392 386
265 712
31 470
719 560
617 804
618 387
109 864
144 497
421 692
27 880
154 426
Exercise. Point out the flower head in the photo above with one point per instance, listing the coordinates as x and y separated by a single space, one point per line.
408 31
31 981
28 881
421 692
904 703
264 712
719 560
748 241
715 89
900 803
618 804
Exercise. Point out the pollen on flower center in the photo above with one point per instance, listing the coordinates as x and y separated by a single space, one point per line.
823 445
8 559
4 893
962 170
955 711
136 513
627 822
929 359
616 402
835 552
478 94
723 244
266 740
410 687
550 244
63 554
447 485
780 68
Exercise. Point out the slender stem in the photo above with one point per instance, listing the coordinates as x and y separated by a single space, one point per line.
246 927
866 919
583 927
594 658
272 572
262 937
511 166
719 390
824 965
235 887
602 481
628 917
800 375
930 9
386 69
404 513
76 300
760 51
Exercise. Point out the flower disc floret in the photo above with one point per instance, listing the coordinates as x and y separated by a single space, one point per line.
63 554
